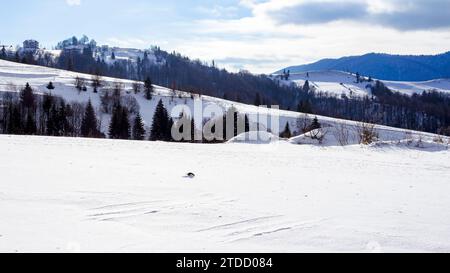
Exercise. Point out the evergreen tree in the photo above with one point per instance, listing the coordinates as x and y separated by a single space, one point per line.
113 56
70 64
50 86
257 100
161 126
148 86
306 86
315 124
52 122
47 103
125 127
27 97
30 125
304 107
89 122
114 123
3 54
119 128
64 128
287 131
15 122
138 128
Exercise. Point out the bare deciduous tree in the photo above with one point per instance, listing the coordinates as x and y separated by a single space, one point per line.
96 82
367 133
342 134
131 104
318 134
137 87
76 118
80 84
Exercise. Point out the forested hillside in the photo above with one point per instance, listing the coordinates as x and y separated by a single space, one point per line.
386 67
428 111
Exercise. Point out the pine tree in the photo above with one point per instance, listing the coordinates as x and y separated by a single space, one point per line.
113 56
3 54
30 125
287 131
15 122
52 122
125 127
138 128
114 126
306 86
70 64
148 86
161 126
27 97
304 107
62 118
47 103
50 86
89 122
315 125
257 100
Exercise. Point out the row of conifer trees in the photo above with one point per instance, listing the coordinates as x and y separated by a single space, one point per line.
26 113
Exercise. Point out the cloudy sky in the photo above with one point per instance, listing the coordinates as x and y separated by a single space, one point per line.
259 35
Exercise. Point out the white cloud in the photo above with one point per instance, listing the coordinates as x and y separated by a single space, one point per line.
251 41
73 2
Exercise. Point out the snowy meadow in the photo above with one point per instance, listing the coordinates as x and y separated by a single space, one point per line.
86 195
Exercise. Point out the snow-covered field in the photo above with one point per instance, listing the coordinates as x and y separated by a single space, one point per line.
63 195
337 83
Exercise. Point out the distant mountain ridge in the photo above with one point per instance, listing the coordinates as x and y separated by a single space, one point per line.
386 67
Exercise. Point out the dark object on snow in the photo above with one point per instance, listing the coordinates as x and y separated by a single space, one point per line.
190 175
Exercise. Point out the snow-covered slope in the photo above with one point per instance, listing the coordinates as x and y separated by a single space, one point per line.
337 83
63 195
38 77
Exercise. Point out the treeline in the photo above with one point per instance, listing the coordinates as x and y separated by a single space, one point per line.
25 113
429 111
171 70
181 73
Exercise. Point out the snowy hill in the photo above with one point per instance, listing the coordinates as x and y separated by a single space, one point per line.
386 67
124 196
279 195
13 76
338 82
